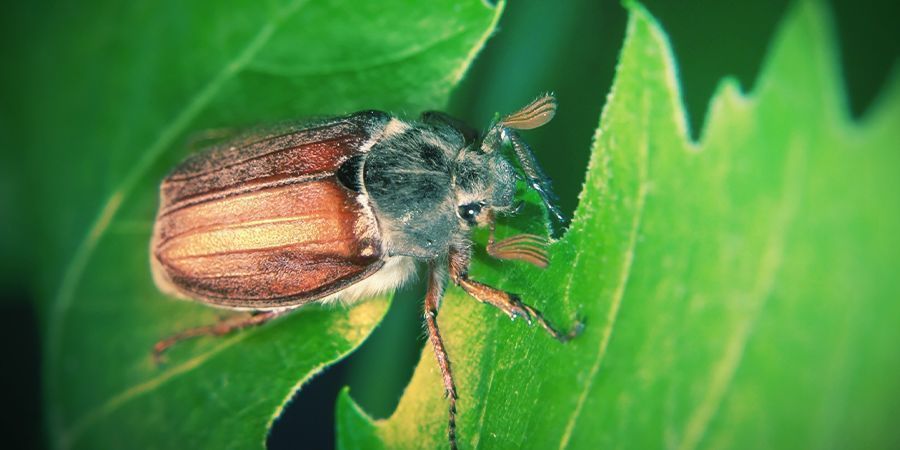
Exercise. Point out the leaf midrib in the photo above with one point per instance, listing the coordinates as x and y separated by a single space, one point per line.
770 263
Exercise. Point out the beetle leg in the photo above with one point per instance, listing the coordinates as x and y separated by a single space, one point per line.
507 302
432 303
219 328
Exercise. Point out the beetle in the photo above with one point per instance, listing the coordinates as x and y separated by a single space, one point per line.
340 210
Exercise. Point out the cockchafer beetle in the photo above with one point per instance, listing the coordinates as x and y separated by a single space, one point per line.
340 210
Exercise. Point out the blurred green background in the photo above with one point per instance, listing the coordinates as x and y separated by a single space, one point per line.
567 47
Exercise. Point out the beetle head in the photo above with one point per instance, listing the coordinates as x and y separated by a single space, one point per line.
483 183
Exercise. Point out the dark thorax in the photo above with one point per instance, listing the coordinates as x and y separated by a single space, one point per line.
408 177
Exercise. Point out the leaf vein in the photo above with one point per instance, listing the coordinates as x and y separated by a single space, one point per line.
725 369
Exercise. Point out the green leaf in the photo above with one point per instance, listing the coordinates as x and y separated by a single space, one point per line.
115 104
739 291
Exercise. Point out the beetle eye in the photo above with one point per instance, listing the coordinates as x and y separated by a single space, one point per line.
469 212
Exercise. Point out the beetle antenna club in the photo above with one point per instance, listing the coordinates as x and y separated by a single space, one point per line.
340 210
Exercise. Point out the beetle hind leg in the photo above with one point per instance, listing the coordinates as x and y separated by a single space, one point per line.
219 328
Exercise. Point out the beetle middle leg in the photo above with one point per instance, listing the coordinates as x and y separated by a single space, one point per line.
432 303
219 328
507 302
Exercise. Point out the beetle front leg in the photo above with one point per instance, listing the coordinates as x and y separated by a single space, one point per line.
432 303
507 302
219 328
